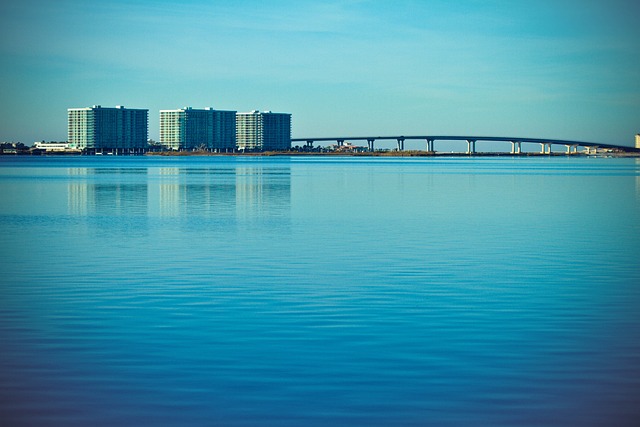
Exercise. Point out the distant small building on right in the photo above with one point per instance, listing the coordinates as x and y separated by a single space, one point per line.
638 141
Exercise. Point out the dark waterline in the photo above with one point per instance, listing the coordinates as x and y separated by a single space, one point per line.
243 291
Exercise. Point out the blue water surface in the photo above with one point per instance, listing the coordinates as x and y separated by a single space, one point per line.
319 291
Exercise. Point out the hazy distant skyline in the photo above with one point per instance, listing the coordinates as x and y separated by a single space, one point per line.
563 69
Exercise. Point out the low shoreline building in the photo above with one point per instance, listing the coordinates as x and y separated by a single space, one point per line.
263 131
193 129
53 146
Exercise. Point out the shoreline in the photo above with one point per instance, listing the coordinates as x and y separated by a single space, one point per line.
408 153
385 154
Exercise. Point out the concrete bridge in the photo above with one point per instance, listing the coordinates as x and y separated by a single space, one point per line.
516 143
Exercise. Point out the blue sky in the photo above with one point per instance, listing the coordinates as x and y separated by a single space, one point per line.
564 69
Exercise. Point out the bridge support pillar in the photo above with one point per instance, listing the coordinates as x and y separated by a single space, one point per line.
370 144
400 144
592 150
310 144
545 148
516 147
340 142
471 146
571 149
430 145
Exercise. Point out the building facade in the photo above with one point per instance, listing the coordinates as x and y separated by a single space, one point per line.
189 128
103 128
638 141
263 131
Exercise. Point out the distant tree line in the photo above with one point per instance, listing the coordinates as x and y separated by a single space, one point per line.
13 148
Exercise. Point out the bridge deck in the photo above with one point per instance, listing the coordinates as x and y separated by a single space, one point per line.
468 138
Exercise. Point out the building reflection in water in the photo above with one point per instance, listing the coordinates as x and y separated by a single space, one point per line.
193 192
78 194
227 193
231 193
169 192
263 193
107 191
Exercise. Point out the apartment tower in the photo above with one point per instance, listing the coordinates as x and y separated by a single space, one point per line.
103 128
263 131
189 128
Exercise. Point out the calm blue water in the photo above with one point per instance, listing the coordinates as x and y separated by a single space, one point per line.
319 291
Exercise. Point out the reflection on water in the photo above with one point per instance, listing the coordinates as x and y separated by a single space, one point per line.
118 195
169 192
262 193
192 193
79 198
241 193
319 291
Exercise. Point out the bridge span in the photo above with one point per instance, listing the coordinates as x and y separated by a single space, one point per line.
516 143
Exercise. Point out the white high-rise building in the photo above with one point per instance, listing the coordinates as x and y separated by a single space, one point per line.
263 131
189 128
103 128
638 141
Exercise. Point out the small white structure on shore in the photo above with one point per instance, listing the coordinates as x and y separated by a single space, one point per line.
53 146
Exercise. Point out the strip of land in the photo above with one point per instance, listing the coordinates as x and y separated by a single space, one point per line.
412 153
